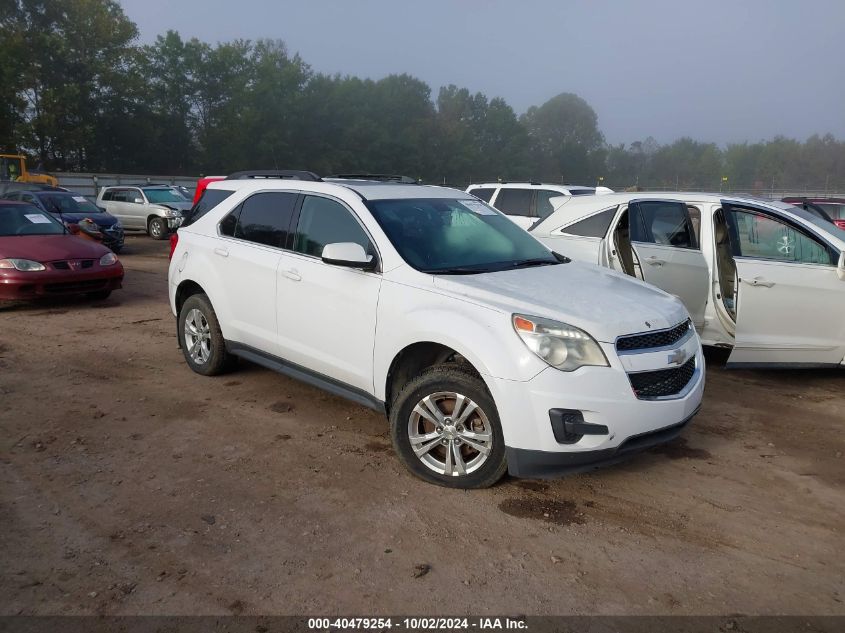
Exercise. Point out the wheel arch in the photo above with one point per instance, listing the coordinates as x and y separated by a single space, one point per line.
414 358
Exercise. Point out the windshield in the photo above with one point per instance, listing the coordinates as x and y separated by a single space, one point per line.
163 195
68 203
24 219
439 235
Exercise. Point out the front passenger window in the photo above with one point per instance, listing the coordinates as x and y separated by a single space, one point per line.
764 237
323 221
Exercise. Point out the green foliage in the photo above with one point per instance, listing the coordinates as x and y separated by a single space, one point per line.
77 92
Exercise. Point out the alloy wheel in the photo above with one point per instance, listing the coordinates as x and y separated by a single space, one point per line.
198 336
450 434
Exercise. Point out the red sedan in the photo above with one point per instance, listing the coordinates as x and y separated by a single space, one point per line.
39 258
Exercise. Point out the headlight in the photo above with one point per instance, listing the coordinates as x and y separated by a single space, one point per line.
562 346
108 259
24 265
117 225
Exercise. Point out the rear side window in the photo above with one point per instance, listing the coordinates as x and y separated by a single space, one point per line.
265 218
662 222
593 226
485 193
323 221
210 198
514 201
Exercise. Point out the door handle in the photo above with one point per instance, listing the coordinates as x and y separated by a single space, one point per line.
759 281
654 261
223 252
292 274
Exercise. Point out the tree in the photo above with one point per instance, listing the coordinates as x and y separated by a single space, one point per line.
76 52
565 139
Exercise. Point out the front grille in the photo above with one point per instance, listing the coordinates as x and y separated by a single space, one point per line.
66 265
649 340
663 382
90 285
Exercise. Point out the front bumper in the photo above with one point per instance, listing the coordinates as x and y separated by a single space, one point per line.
604 397
22 286
546 464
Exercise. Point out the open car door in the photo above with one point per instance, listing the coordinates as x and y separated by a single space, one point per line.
666 249
790 295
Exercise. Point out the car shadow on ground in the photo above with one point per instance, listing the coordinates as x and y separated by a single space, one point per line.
57 305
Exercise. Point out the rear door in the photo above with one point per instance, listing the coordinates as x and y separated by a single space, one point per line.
246 257
516 204
791 301
664 240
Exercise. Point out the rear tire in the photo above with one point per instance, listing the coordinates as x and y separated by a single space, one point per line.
157 229
201 339
445 428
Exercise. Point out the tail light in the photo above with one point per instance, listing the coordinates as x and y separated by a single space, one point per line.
174 240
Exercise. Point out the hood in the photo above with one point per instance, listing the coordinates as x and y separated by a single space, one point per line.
47 248
175 206
602 302
100 219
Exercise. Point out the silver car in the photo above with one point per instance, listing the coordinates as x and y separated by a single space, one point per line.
156 209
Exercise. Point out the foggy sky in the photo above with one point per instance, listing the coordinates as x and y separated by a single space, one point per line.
714 70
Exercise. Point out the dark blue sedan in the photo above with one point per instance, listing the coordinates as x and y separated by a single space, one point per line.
71 208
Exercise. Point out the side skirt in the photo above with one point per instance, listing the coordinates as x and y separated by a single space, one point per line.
305 375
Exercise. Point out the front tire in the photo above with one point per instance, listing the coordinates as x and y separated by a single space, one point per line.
445 428
202 341
99 295
157 228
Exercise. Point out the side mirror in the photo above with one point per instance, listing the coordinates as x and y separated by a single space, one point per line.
138 201
840 269
348 254
102 209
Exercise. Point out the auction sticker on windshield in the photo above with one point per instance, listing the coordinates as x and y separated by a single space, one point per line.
37 218
478 207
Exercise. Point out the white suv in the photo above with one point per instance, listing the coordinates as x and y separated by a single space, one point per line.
486 351
527 202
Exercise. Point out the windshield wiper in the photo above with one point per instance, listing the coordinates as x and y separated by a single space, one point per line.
457 270
525 263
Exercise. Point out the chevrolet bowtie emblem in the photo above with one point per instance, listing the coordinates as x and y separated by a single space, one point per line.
678 357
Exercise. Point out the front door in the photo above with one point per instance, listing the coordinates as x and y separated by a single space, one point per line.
790 299
327 313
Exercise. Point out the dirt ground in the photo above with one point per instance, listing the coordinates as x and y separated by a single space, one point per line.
130 485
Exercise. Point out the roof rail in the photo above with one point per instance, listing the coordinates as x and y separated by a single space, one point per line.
405 180
285 174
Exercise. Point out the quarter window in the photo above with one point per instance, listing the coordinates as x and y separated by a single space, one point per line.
514 201
593 226
210 198
265 218
323 221
662 222
763 237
